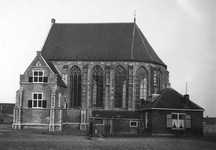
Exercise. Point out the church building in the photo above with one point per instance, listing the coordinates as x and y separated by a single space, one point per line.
104 72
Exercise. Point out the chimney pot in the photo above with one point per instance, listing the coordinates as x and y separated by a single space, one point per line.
53 21
168 85
38 53
186 98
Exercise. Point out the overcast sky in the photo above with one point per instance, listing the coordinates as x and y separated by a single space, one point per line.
182 33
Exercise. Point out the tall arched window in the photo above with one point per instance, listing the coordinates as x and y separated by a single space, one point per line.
159 80
143 89
76 86
120 87
141 85
97 86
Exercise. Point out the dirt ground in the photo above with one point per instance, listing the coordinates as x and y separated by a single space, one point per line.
72 140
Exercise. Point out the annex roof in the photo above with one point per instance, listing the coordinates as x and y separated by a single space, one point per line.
114 114
39 57
170 99
98 42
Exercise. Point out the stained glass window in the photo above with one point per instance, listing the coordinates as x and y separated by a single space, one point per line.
75 79
97 86
120 87
159 76
141 85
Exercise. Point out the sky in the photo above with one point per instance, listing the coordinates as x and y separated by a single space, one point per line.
182 33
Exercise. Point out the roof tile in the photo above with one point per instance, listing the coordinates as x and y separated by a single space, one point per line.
102 41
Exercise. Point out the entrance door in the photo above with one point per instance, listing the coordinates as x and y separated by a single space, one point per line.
107 125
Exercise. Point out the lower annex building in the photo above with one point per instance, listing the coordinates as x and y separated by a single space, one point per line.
107 72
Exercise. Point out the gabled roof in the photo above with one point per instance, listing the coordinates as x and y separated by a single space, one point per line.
59 78
98 42
48 64
114 114
170 99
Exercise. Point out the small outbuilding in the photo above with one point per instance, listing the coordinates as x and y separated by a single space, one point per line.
209 125
170 113
6 112
116 122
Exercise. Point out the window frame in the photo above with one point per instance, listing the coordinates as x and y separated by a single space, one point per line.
97 87
120 87
143 89
133 126
141 85
75 87
38 77
186 121
96 123
33 100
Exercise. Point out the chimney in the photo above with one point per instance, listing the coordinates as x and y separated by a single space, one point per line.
135 16
38 53
53 21
186 100
168 85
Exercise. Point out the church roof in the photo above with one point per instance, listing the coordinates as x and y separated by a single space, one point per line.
170 99
98 42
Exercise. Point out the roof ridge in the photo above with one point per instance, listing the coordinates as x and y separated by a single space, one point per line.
144 44
132 44
183 97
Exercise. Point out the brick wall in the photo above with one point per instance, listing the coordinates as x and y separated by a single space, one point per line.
36 116
158 123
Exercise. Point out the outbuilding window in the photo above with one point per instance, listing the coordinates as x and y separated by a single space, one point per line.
98 121
133 123
178 121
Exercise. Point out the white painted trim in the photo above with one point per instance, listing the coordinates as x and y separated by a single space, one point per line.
38 70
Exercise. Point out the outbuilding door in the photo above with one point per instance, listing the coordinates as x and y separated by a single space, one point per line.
107 125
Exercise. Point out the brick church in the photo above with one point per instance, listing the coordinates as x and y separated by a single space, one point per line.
104 72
